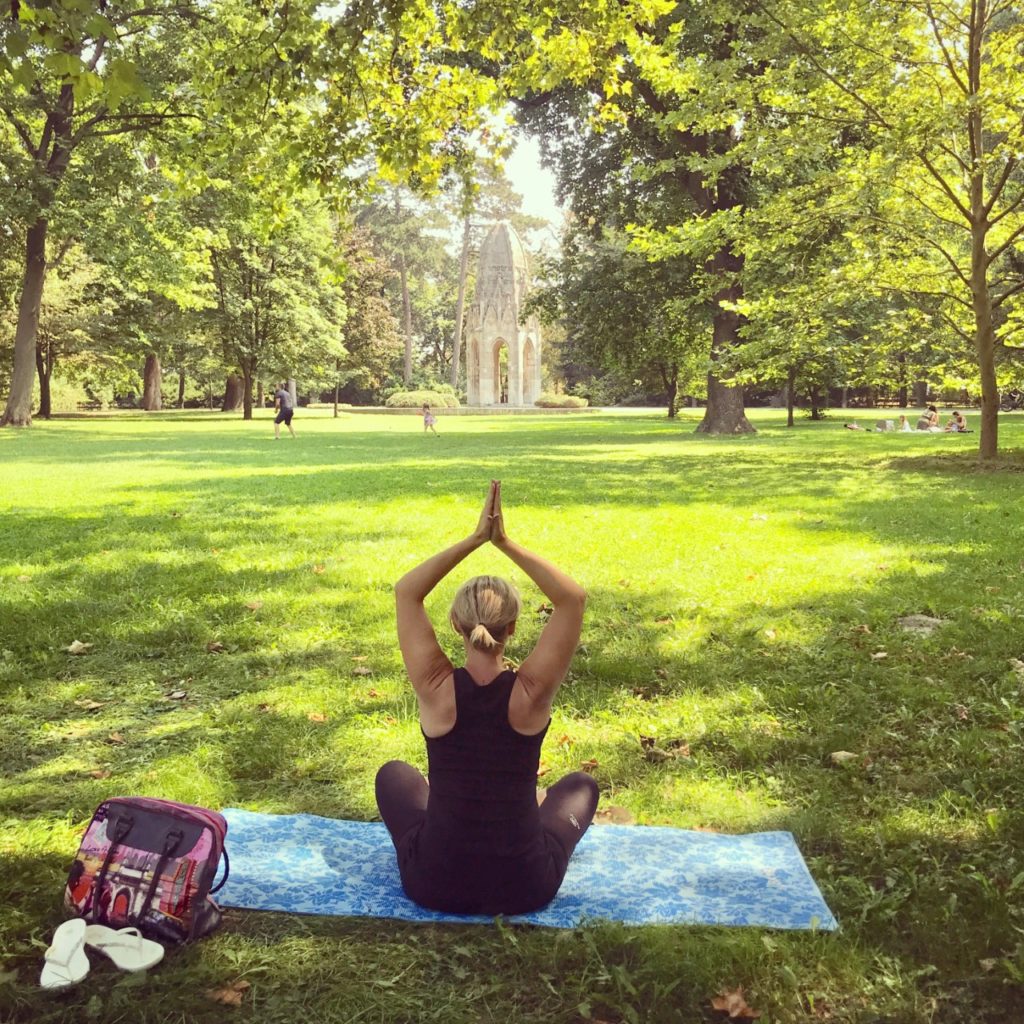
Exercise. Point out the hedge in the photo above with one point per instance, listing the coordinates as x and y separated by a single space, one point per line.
417 399
549 400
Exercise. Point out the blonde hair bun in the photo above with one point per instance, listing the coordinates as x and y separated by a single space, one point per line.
483 610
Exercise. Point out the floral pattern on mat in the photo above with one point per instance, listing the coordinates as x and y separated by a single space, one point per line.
304 864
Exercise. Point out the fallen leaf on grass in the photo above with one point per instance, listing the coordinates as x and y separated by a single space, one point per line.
177 695
214 647
89 705
544 609
663 620
315 716
362 670
589 765
614 816
862 628
391 720
735 1005
254 606
359 657
262 707
100 773
565 740
116 738
921 624
879 655
542 769
661 673
770 634
319 570
24 579
962 713
229 995
372 693
759 517
77 647
842 757
1018 666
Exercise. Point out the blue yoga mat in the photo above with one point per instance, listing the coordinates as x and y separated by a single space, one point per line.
303 864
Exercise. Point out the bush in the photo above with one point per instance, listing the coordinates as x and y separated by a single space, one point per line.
549 400
416 399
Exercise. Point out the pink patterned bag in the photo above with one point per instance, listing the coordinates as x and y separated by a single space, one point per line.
151 864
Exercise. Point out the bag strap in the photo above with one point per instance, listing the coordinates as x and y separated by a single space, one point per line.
227 871
121 829
171 841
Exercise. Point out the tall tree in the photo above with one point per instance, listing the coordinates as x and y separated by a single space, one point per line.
938 87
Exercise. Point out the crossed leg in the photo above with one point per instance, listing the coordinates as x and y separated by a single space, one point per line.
401 797
568 809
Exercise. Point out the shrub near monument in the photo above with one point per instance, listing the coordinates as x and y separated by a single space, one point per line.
417 399
549 400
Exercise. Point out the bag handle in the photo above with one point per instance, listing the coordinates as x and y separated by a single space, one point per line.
227 871
171 841
122 827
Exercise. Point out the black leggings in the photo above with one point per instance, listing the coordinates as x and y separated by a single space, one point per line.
567 810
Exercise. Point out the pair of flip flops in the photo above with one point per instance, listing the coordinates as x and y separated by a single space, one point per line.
66 963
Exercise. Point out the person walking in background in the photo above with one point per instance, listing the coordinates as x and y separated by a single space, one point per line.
285 409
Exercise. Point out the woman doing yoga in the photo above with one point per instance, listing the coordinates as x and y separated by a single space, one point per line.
475 841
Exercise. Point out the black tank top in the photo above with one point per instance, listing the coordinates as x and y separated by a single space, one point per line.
483 777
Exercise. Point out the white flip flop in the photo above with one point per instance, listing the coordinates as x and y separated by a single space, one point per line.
66 963
126 947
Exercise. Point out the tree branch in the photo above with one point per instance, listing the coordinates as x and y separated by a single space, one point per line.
945 53
944 185
1009 293
997 190
21 128
1014 235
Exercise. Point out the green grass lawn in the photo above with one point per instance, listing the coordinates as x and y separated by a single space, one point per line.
744 597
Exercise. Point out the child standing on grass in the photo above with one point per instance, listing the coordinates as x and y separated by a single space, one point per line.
428 419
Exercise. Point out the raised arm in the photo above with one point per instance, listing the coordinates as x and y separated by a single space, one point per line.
425 663
543 670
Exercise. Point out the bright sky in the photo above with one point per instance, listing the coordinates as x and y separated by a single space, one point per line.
536 184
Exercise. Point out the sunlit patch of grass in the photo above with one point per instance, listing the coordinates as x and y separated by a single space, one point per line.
742 620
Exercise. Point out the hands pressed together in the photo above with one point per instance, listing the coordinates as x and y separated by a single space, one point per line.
491 526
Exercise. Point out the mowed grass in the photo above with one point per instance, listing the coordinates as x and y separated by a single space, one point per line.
744 597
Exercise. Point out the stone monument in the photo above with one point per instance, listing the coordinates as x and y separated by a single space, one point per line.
502 354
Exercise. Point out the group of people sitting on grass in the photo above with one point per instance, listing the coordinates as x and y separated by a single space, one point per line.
927 422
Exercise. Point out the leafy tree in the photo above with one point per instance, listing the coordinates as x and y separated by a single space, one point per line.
373 344
279 302
937 86
627 313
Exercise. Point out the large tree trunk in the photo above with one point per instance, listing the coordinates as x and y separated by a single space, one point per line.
406 320
181 389
246 394
44 369
152 376
259 395
232 393
18 412
790 395
460 305
724 413
337 385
